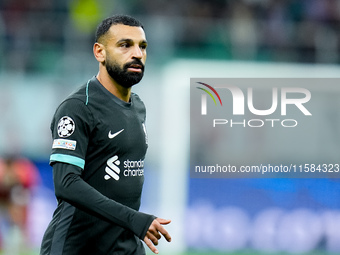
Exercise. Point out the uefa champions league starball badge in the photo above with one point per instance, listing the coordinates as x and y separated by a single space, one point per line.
66 127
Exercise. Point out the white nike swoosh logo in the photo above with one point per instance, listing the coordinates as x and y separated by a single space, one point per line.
115 134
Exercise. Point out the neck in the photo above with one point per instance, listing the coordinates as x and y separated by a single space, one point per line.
113 87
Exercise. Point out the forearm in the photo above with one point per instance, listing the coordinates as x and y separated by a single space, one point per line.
69 186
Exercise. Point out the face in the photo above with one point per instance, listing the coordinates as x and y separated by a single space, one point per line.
125 54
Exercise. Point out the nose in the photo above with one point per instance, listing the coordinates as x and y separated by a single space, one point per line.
137 52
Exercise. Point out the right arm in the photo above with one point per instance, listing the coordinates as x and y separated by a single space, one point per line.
70 187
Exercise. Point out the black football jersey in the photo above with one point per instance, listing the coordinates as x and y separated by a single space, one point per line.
106 138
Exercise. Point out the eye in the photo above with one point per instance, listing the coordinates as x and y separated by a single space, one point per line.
124 45
143 46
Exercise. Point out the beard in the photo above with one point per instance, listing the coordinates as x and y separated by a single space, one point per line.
121 75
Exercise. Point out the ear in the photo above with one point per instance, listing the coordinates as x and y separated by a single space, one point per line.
99 52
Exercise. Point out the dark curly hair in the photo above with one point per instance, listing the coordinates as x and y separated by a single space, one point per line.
105 25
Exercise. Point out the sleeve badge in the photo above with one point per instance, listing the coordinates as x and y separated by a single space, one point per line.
66 127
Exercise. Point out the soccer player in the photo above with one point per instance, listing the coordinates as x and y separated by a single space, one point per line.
99 145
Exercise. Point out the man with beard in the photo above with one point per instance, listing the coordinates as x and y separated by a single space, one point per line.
99 145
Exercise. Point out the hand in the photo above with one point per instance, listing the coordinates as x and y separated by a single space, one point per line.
154 233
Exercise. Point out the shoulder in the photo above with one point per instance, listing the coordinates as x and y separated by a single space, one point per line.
138 104
76 102
74 107
78 96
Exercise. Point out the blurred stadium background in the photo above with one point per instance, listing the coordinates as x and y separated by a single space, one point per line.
46 52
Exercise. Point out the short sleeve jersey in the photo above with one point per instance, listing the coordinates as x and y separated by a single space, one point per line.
106 137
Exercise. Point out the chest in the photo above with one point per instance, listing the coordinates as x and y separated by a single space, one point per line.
121 131
115 154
